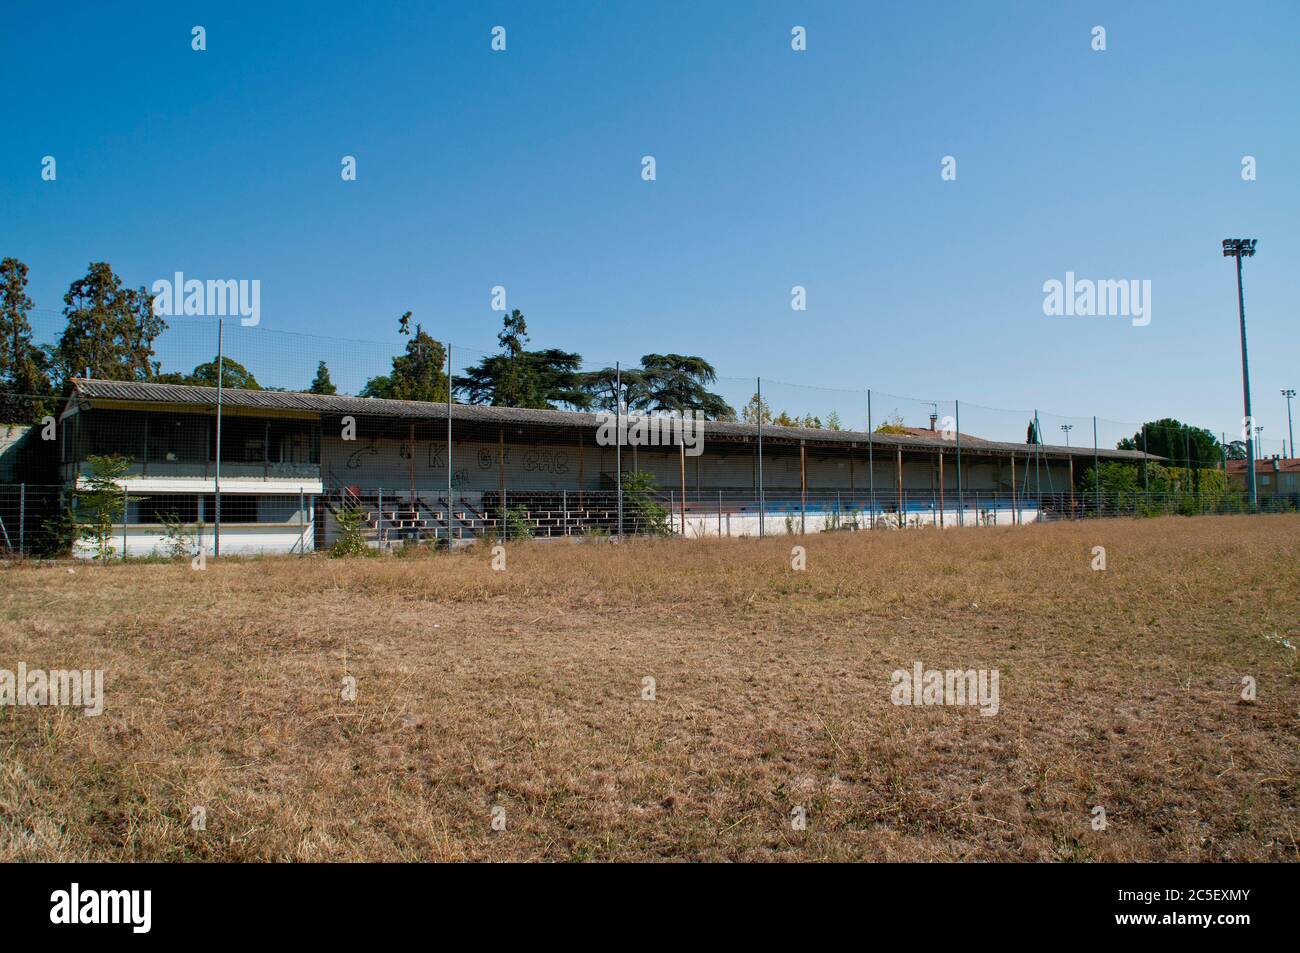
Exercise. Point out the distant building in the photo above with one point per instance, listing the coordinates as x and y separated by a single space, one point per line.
1276 478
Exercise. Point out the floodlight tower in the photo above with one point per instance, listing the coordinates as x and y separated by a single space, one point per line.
1240 248
1067 428
1288 394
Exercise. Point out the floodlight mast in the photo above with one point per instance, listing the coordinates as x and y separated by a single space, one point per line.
1288 393
1240 248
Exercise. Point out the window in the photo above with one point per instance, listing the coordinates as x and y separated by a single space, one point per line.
157 506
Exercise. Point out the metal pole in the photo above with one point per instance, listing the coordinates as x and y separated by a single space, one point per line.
871 464
1245 388
126 504
961 498
449 399
1288 394
1146 480
618 433
216 482
302 523
761 503
1096 466
22 518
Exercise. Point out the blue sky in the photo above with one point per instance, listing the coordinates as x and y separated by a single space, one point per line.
774 168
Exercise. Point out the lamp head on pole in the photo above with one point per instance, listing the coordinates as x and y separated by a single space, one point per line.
1238 247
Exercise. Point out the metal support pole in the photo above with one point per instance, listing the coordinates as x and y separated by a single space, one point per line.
871 464
564 502
449 402
941 521
1015 509
719 514
803 488
302 523
961 498
761 502
682 445
22 518
126 505
1245 390
216 483
618 449
1096 465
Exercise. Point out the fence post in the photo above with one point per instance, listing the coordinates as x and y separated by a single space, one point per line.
1096 467
564 503
719 514
761 503
871 464
22 518
302 522
961 499
126 504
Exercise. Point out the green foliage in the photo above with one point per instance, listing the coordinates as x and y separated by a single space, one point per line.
417 375
640 508
518 524
322 384
833 421
892 424
101 503
180 540
518 377
756 411
110 329
351 540
25 392
233 375
1180 443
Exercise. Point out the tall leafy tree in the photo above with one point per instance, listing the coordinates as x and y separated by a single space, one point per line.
678 383
756 411
417 374
110 329
321 383
1183 444
518 377
25 391
233 375
601 388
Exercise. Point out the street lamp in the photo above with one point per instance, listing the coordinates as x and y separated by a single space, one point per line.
1288 394
1067 428
1240 248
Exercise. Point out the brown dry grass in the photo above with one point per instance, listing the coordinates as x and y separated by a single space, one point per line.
522 689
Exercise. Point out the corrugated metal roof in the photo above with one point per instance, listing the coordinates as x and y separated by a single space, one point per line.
89 392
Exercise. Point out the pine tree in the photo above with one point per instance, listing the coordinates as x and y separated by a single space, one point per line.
322 384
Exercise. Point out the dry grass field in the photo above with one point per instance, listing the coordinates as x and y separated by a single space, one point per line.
522 689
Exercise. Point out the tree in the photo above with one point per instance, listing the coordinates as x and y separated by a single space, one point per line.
321 383
1236 449
833 421
1032 435
110 329
233 375
892 424
100 504
518 377
417 375
600 386
25 389
1181 443
756 411
677 383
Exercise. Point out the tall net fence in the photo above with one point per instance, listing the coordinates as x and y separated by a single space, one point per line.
815 458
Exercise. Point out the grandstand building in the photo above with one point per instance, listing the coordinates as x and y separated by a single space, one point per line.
289 463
